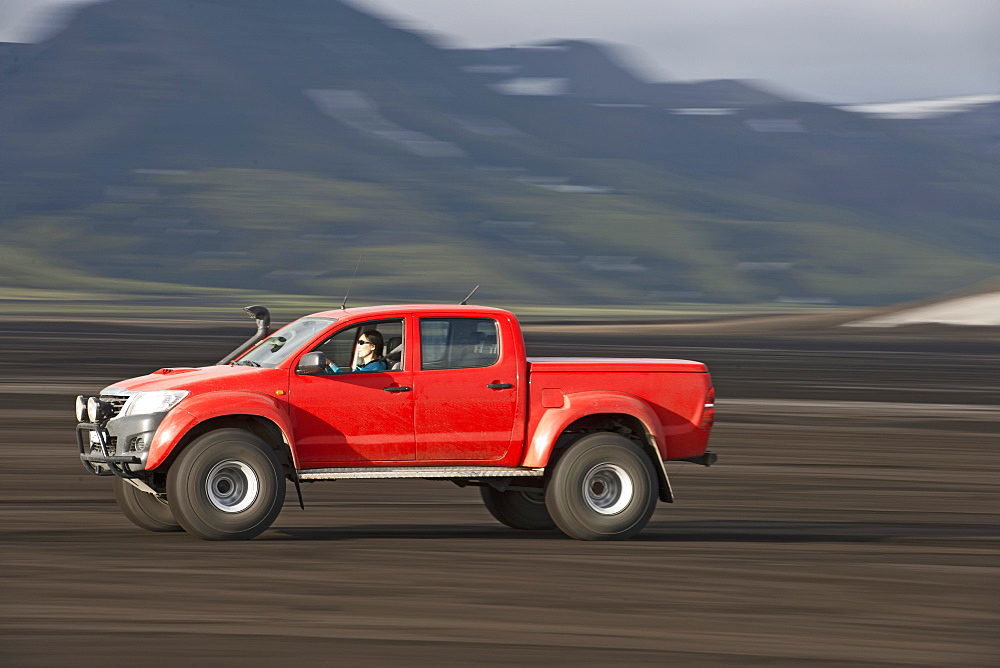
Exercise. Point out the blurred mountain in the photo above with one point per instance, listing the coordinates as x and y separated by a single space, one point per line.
594 72
980 124
12 56
260 145
974 118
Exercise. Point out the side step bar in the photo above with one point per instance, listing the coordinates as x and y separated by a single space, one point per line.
418 472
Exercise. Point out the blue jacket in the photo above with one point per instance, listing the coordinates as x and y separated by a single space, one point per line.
375 365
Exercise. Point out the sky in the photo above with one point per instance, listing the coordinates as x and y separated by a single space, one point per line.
834 51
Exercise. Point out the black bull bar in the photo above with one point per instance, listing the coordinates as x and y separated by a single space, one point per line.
101 462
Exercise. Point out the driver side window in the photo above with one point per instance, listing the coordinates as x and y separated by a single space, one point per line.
342 346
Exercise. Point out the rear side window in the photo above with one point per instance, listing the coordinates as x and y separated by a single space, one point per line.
458 343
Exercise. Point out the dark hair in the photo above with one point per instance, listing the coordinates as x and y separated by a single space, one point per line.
375 337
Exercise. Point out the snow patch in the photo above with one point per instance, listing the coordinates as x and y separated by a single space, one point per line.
978 310
913 109
533 86
355 109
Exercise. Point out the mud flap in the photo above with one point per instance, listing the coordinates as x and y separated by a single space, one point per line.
666 491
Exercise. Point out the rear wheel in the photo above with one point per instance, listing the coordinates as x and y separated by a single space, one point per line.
518 510
143 509
227 485
603 488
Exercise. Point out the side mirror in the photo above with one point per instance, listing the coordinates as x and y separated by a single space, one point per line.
313 362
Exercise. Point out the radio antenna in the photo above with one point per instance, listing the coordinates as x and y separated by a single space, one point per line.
465 301
351 284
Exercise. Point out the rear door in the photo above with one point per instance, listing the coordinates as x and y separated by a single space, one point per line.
467 391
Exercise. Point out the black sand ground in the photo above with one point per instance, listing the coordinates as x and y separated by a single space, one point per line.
853 519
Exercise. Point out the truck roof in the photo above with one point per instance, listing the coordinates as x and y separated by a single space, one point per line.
403 309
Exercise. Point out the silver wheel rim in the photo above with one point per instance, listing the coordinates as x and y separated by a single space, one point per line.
607 489
232 486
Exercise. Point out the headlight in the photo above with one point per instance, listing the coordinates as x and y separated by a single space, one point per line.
144 403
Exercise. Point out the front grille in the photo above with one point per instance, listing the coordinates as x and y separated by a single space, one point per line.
111 443
116 402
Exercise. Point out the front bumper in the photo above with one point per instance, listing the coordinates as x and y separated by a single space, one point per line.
98 452
118 447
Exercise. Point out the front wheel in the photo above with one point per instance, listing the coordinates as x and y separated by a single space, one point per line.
227 485
143 509
603 488
518 510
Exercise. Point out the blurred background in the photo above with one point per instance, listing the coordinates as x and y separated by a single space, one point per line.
660 157
720 180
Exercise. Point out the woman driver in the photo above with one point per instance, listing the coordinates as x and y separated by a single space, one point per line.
367 354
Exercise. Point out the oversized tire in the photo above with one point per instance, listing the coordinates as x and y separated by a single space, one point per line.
226 485
604 487
143 509
518 510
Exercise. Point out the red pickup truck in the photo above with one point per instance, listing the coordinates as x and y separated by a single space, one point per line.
577 444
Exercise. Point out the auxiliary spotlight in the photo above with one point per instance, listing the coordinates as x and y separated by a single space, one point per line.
97 410
81 408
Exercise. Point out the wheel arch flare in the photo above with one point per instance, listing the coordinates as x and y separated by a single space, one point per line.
609 408
257 413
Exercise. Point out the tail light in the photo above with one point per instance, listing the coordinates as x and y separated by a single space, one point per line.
708 414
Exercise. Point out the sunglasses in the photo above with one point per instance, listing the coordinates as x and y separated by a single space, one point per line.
365 343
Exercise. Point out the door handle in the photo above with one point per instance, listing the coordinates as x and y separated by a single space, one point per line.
499 386
397 388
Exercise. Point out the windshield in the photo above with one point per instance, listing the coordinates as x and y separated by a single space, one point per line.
278 346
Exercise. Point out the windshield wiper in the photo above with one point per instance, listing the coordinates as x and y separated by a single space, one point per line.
247 363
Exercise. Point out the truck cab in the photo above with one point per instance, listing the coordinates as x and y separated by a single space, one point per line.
451 396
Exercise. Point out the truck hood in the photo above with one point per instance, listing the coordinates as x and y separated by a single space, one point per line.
196 380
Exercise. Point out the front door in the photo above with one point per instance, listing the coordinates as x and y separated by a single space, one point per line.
363 416
466 393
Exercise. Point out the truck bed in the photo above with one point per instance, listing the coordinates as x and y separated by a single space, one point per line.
676 390
602 364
